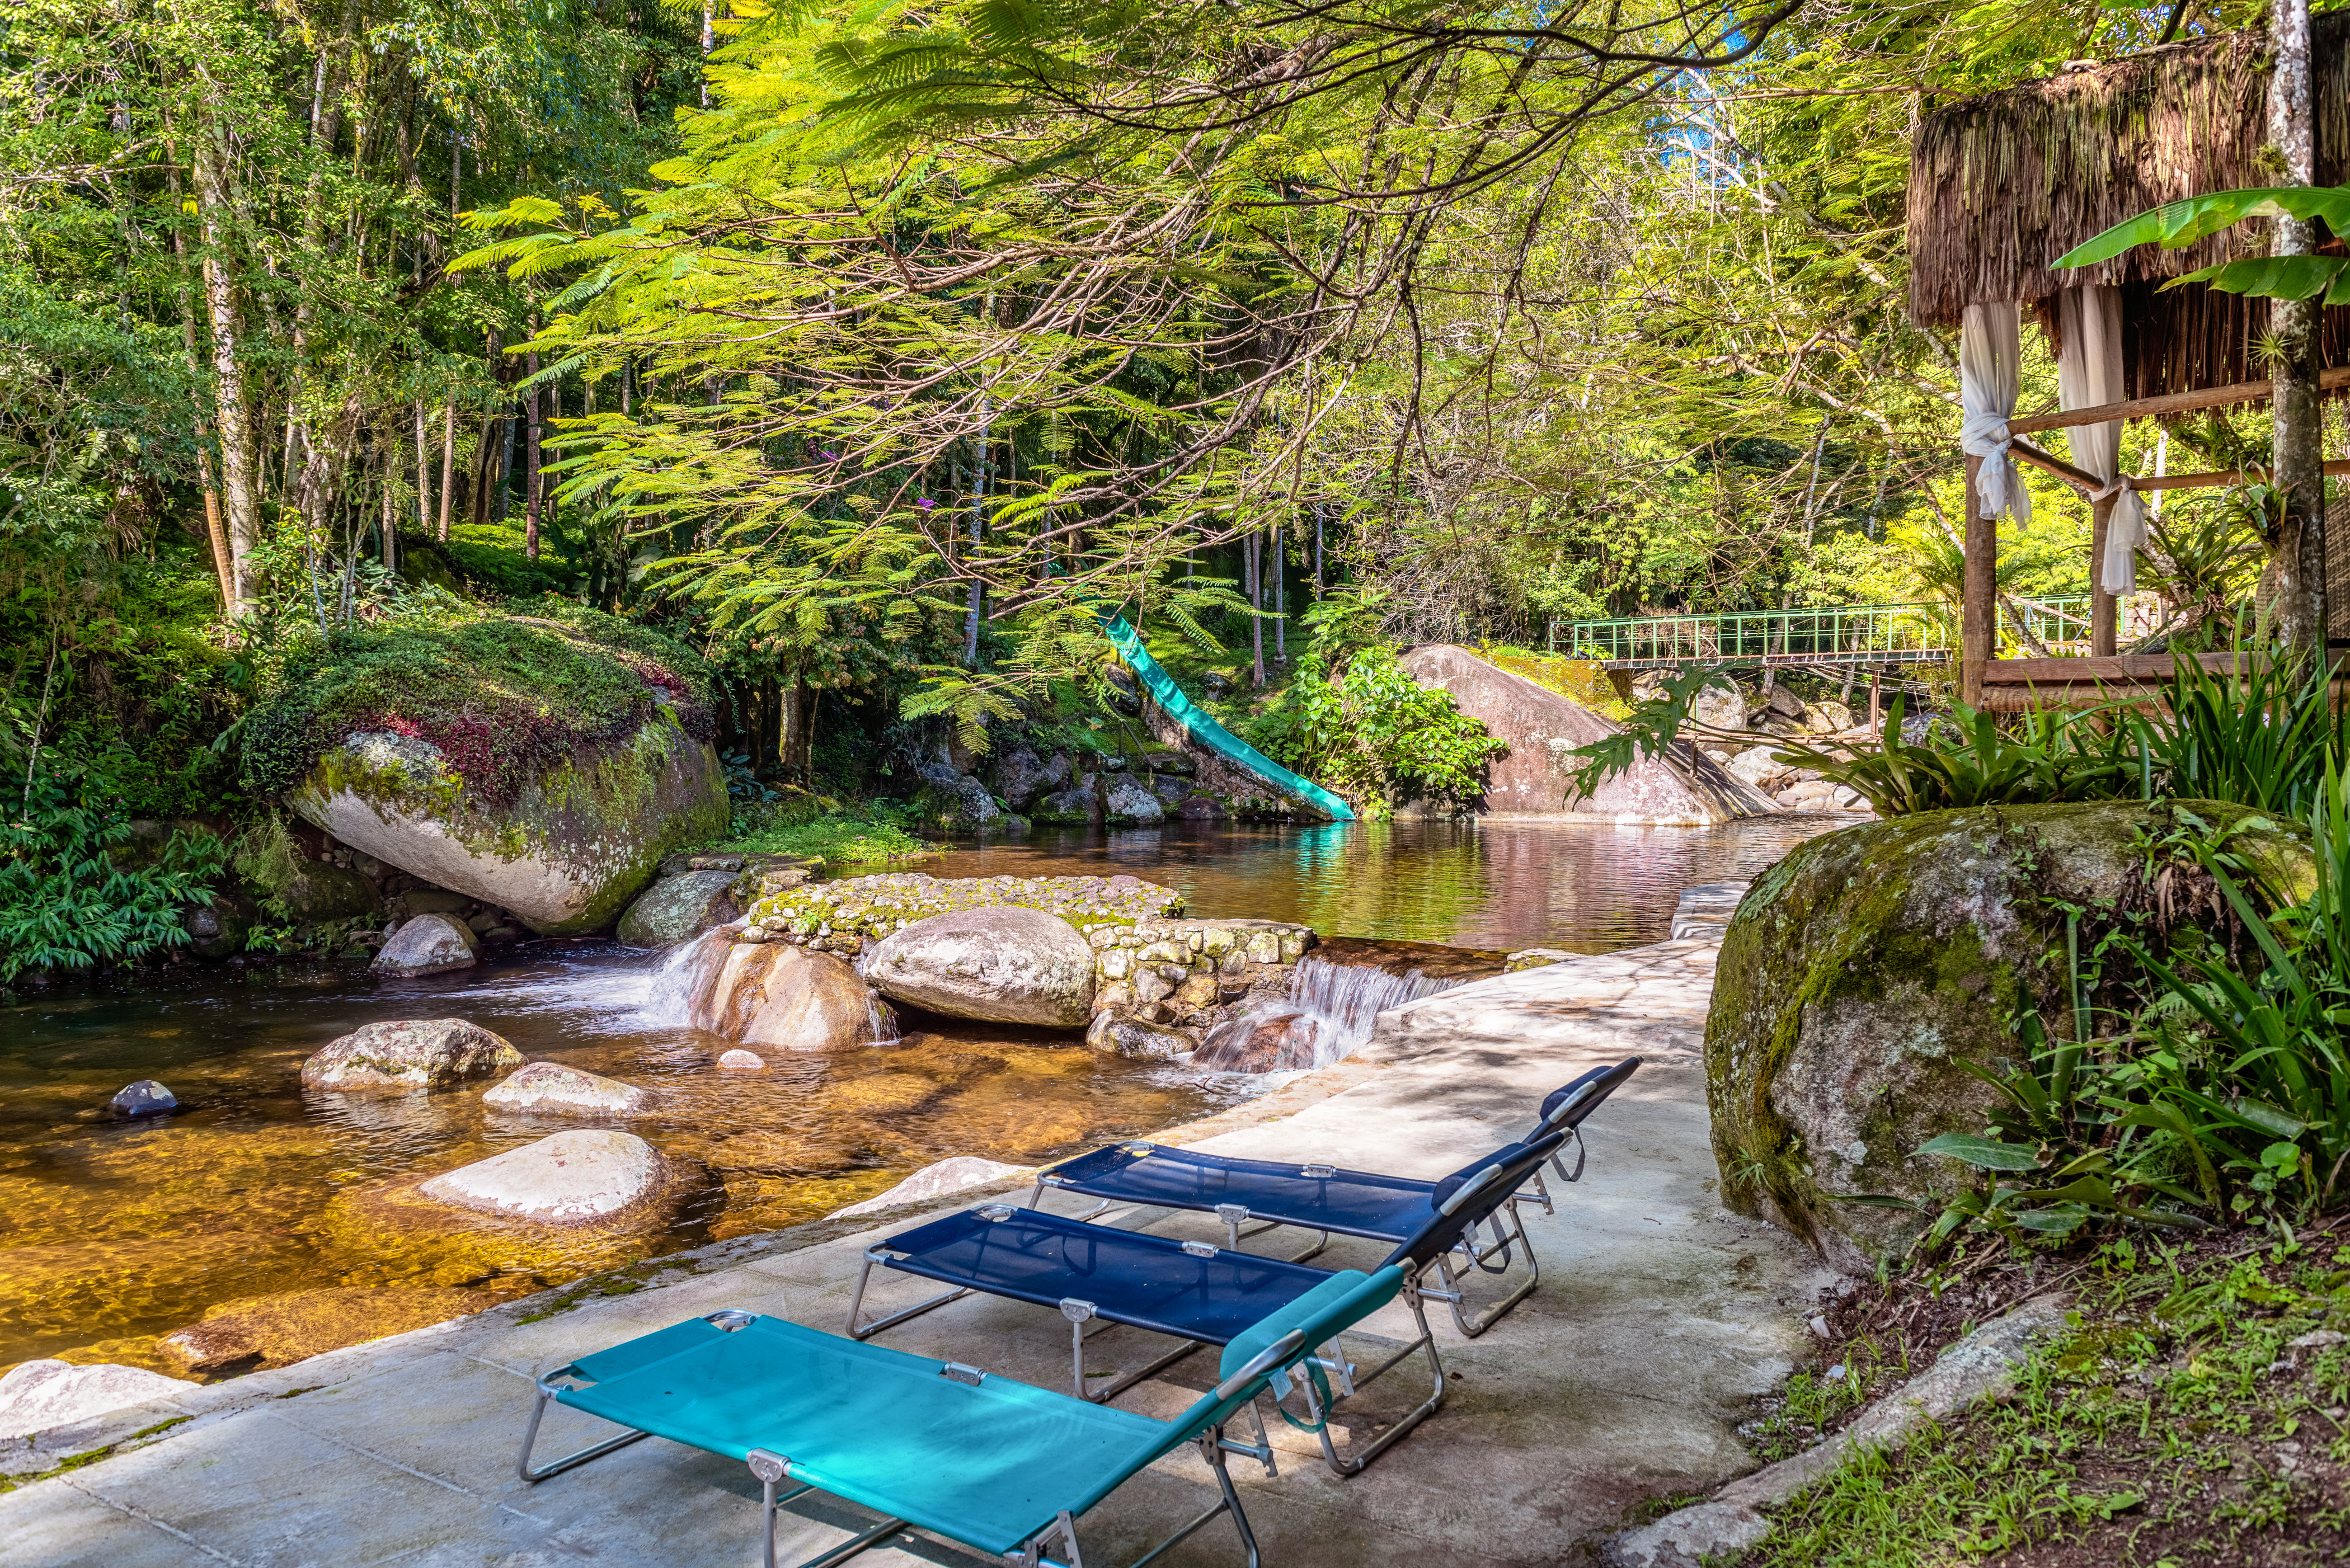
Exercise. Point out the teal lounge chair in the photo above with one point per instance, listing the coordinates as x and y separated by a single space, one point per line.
933 1445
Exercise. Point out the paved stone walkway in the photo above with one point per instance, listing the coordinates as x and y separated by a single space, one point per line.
1659 1317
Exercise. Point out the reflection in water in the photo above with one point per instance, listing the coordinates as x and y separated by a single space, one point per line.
111 1234
1583 887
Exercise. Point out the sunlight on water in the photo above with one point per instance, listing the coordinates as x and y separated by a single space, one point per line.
113 1234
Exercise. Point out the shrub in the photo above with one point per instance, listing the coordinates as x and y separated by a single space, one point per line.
1374 729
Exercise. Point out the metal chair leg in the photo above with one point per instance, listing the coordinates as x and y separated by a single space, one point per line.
1425 1344
572 1461
857 1302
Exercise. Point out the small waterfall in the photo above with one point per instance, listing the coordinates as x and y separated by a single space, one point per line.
1330 1008
882 1026
1346 1000
670 986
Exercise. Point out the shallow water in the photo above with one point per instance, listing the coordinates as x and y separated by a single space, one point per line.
113 1234
1583 887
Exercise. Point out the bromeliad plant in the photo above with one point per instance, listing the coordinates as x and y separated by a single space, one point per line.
2271 1107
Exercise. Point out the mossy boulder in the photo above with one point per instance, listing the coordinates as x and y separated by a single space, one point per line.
543 765
565 856
1863 970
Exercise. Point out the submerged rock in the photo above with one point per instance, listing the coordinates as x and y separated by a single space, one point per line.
960 1174
1869 969
571 1179
552 1088
786 1153
679 909
144 1098
741 1061
37 1396
578 842
771 994
1003 964
263 1332
410 1053
427 944
1266 1042
1113 1030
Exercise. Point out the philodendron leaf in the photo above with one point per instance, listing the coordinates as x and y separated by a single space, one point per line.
1982 1153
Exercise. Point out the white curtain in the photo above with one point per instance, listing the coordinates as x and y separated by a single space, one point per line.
1989 349
2089 372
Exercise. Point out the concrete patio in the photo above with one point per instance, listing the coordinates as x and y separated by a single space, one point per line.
1659 1318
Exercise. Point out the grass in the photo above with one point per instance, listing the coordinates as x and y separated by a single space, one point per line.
2197 1411
871 833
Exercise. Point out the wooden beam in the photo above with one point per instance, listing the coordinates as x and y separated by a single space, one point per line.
2080 479
2208 480
2172 403
2103 613
1978 587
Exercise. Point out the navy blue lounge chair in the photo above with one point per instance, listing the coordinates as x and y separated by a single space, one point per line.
1332 1200
1195 1291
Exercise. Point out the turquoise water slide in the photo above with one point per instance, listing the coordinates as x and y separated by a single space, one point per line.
1206 731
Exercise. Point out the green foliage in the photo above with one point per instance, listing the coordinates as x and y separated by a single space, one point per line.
64 902
502 697
833 834
1973 759
268 860
2257 735
2178 225
1373 732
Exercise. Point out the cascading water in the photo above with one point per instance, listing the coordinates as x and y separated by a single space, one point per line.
667 1001
1328 1014
1345 999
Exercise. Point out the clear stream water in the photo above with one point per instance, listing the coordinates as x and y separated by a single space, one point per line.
111 1235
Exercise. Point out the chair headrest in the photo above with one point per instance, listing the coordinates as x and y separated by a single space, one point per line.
1564 1107
1467 1196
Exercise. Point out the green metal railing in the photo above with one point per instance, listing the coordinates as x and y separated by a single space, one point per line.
1837 634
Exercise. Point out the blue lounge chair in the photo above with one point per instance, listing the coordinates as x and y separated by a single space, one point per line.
932 1446
1332 1200
1192 1291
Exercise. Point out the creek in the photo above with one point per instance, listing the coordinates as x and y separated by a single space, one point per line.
112 1234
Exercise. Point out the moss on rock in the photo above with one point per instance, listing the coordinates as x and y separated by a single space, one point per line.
1863 970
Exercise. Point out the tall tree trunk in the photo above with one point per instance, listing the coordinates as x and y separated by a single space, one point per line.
423 477
978 532
191 290
448 462
231 401
530 478
1249 553
325 130
2297 455
1280 604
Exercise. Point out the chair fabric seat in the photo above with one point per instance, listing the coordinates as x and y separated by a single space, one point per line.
990 1464
1146 1282
1346 1202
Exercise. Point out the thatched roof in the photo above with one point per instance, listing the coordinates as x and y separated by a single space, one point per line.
2001 186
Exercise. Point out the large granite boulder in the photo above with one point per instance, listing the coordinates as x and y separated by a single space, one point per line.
410 1053
1021 776
1002 963
953 802
679 909
1867 971
1544 728
959 1173
550 1089
771 993
572 1178
565 856
427 944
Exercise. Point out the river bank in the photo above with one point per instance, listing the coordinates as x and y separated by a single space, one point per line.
1659 1319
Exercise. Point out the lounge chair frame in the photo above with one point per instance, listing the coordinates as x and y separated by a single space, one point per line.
772 1470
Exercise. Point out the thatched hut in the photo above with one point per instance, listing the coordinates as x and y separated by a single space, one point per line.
2001 186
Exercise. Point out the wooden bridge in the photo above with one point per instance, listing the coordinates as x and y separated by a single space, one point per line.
1833 635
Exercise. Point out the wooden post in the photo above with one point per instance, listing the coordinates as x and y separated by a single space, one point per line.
1977 605
2105 611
